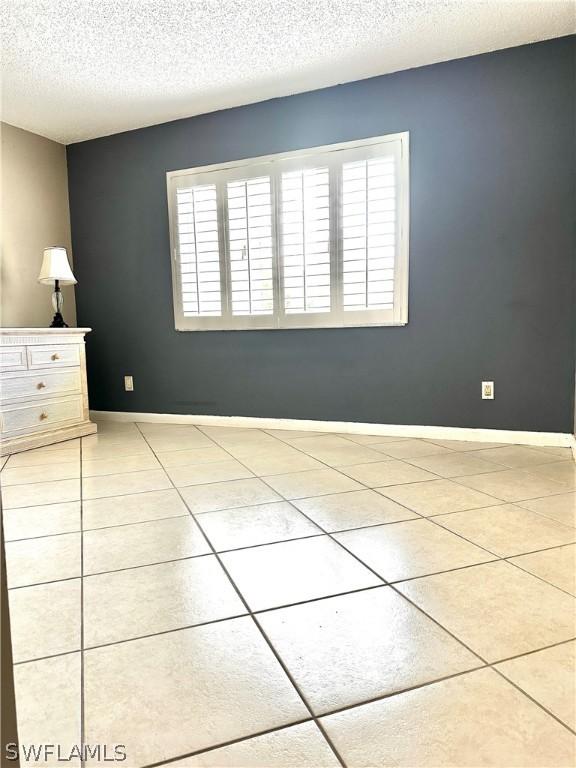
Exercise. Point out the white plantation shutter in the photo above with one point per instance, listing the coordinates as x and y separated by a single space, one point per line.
368 234
251 246
313 238
305 235
198 250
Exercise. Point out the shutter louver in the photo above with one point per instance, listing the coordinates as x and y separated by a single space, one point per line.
368 234
198 251
251 246
305 240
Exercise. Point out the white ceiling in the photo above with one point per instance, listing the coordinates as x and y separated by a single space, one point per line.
77 69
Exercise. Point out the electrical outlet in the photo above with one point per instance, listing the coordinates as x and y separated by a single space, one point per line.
128 383
487 390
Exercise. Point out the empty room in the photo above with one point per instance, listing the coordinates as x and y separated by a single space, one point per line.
287 383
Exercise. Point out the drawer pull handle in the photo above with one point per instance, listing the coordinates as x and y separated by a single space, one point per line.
55 356
43 416
40 385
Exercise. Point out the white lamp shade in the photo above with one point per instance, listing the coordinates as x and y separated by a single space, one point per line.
55 267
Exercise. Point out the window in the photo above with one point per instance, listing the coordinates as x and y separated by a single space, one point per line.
314 238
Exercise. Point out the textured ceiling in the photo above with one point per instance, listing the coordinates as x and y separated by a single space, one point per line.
77 69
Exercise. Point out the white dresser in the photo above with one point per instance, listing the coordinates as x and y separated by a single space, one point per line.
43 388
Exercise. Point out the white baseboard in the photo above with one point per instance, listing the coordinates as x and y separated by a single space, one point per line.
350 427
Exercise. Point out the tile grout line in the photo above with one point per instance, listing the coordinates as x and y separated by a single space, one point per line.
164 632
328 534
505 504
378 489
535 575
328 713
460 478
155 490
499 468
494 559
419 516
248 506
341 468
532 699
383 580
45 536
415 482
398 592
391 694
203 623
260 628
5 468
373 700
264 635
488 665
495 556
433 441
132 639
75 476
366 487
485 665
283 606
82 476
98 528
231 742
450 452
543 514
460 535
432 520
355 705
392 586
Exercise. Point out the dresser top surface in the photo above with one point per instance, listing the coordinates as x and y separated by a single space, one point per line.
38 331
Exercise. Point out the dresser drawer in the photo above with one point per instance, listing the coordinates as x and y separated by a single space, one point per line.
41 385
53 356
41 416
13 359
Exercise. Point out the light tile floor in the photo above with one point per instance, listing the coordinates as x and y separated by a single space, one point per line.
211 596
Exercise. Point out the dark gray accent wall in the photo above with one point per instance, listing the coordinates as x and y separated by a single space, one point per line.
492 256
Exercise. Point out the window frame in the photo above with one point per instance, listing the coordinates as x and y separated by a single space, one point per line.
273 165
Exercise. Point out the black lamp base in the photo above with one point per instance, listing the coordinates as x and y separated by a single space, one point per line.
58 321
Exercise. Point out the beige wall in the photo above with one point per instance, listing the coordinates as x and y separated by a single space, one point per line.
35 214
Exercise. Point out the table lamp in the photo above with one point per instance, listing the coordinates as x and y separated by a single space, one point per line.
56 269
